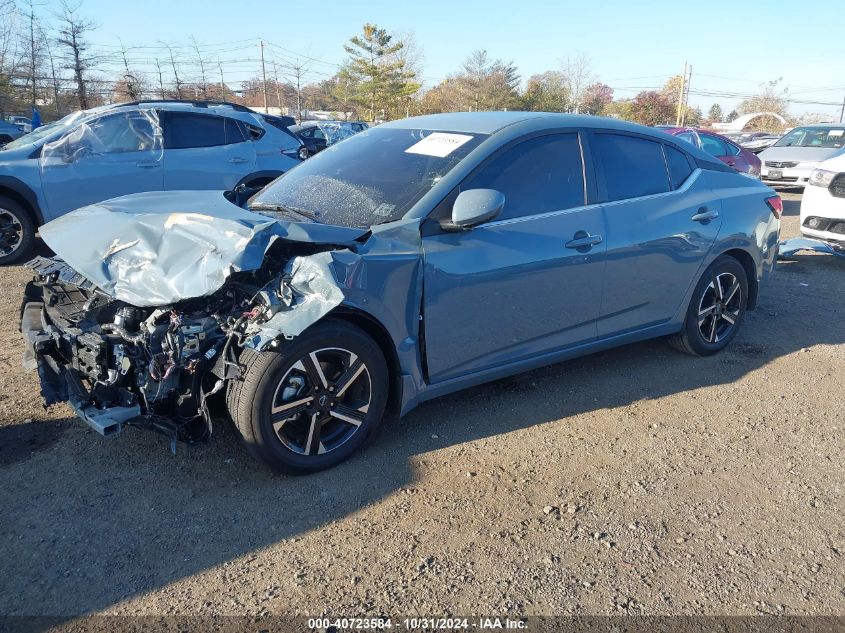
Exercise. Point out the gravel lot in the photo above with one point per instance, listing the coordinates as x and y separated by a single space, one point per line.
637 480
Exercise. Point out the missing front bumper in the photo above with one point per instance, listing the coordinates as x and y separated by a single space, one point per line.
59 383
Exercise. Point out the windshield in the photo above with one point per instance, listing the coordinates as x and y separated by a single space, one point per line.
370 178
822 137
41 132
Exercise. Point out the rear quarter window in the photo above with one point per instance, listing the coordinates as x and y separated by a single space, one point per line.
632 166
678 165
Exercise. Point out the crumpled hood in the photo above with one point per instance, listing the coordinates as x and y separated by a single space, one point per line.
157 248
797 154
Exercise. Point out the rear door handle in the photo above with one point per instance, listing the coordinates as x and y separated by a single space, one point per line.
704 215
237 159
582 239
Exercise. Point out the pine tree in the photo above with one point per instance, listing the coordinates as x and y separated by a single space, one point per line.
378 74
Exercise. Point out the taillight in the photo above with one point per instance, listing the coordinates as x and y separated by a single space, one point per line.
776 205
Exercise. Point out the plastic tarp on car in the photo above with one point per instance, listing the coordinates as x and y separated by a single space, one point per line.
119 133
158 248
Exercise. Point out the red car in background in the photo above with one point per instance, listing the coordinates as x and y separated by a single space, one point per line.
720 147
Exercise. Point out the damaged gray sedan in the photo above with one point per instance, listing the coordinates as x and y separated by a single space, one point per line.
412 260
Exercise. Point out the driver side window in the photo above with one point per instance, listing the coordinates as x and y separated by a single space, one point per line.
539 175
118 133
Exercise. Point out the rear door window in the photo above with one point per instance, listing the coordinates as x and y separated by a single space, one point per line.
184 130
632 166
234 132
537 176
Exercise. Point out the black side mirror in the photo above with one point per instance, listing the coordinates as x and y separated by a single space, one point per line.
474 207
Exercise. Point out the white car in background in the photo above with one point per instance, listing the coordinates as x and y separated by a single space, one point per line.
823 202
789 162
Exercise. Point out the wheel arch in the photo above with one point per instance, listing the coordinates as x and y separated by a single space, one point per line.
264 177
13 188
376 330
745 258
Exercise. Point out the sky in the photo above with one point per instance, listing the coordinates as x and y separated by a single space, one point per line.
732 46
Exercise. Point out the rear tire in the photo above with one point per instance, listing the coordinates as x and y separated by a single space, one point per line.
715 310
314 402
17 232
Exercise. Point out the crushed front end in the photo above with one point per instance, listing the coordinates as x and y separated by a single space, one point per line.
154 367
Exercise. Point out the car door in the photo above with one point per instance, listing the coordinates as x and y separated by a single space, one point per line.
661 219
113 155
525 283
205 151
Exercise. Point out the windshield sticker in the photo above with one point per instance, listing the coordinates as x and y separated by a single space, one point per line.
836 132
438 144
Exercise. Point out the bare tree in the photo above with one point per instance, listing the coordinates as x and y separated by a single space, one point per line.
203 82
33 48
579 74
178 83
160 80
73 31
130 83
53 75
8 52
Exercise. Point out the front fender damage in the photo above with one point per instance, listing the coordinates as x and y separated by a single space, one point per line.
142 323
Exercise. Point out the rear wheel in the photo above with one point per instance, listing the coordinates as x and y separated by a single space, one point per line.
17 232
716 309
312 404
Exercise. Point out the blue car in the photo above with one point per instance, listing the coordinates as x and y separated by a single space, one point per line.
129 148
412 260
9 132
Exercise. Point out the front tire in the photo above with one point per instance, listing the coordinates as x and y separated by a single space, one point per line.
716 309
314 402
17 232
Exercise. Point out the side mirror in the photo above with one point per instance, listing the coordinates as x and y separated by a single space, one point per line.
474 207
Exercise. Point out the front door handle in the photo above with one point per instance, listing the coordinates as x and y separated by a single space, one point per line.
584 240
237 159
147 165
704 215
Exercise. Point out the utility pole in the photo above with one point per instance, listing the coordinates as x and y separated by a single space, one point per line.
842 111
686 98
264 77
222 83
681 96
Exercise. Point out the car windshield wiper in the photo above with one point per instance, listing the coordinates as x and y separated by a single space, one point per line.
283 208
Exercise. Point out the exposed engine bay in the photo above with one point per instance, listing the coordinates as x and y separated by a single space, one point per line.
116 363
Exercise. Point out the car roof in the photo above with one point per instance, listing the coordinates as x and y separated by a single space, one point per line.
819 125
492 122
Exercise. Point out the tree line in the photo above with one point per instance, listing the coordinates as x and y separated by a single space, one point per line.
48 62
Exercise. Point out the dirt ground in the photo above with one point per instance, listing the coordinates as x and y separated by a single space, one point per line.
638 480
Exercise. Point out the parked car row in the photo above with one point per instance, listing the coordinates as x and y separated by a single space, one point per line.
791 160
317 135
9 132
504 241
720 147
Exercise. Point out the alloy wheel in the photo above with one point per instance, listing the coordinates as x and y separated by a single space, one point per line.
719 308
321 401
11 232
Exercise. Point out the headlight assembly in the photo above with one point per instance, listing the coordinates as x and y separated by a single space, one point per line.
821 177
